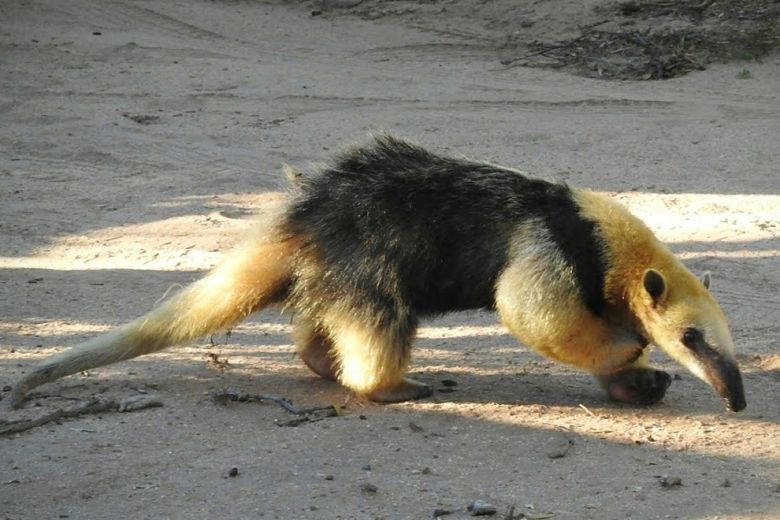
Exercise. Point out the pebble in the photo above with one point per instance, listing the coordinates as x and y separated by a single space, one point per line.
416 427
481 508
671 482
368 488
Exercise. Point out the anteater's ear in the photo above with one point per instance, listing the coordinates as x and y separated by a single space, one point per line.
706 279
655 285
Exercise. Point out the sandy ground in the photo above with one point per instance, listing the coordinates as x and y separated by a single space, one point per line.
138 139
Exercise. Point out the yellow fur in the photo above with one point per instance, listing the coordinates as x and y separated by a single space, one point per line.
631 251
538 301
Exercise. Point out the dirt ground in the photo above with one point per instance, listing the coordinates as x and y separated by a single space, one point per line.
138 139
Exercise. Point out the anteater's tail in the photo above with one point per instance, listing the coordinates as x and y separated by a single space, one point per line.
253 276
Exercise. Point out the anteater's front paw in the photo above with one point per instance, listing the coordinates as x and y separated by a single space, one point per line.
636 385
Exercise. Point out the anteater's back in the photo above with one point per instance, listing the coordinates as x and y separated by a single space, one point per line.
394 221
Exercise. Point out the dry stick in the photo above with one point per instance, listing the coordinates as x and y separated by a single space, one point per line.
587 410
235 395
87 407
91 406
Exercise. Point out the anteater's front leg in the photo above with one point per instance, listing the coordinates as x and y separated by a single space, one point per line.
637 383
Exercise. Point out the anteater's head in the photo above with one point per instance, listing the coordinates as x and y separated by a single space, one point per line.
681 317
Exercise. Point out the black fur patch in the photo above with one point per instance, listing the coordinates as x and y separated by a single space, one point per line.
405 231
580 243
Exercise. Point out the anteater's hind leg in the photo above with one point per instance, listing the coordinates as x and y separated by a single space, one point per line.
315 348
372 359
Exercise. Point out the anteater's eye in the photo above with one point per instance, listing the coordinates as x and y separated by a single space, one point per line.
691 337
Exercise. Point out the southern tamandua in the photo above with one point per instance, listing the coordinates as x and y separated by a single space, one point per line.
390 232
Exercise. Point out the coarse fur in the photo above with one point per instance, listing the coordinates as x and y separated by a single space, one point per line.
390 232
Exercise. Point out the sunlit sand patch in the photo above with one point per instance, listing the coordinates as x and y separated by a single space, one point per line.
243 202
739 253
263 328
183 243
460 331
189 243
267 358
63 327
51 327
684 217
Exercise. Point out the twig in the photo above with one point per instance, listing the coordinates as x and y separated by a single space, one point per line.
588 411
236 395
546 49
88 407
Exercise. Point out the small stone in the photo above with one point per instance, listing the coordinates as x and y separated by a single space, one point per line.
671 482
369 488
481 508
7 388
233 472
366 467
449 382
726 483
441 512
329 477
561 449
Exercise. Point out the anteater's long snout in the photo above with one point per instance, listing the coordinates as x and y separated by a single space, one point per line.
726 379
